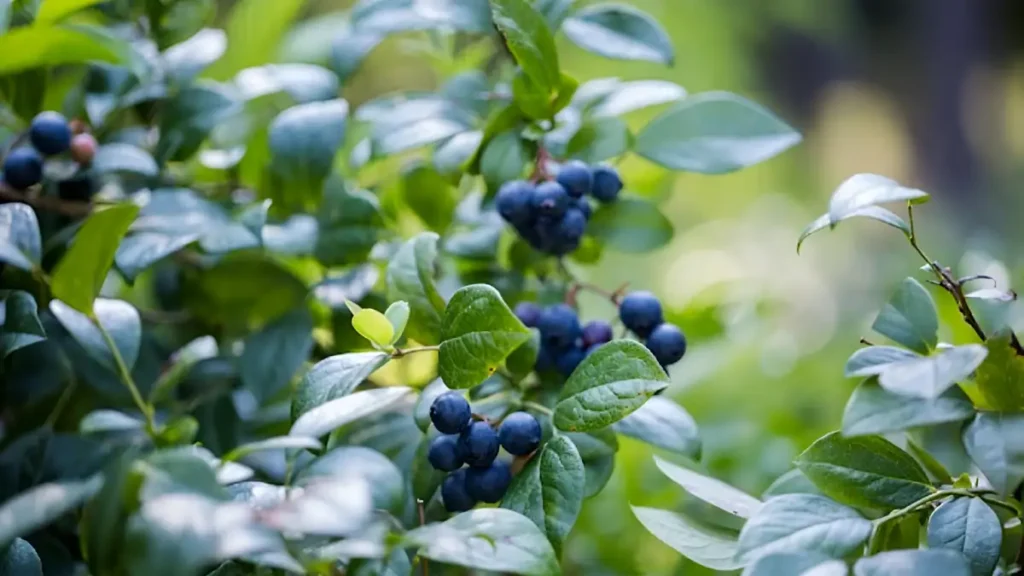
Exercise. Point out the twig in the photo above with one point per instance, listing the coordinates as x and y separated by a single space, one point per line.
540 169
866 342
126 376
62 402
398 352
576 285
48 203
423 520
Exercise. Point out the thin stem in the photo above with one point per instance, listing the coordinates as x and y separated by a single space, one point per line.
48 203
398 353
423 520
576 285
920 503
62 402
538 408
126 376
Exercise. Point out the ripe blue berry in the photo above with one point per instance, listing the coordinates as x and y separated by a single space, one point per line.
640 312
479 444
23 168
667 343
550 200
596 332
50 133
576 178
545 359
450 413
488 484
519 433
583 205
559 325
454 494
569 231
444 453
515 202
528 313
569 359
607 184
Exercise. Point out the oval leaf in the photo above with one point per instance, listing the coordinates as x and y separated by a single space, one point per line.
796 564
705 545
631 225
874 410
863 190
19 322
995 442
478 333
121 157
37 507
373 326
970 527
335 377
619 31
629 96
332 415
276 443
929 377
803 522
910 318
117 317
873 360
410 277
663 423
20 559
873 212
913 563
1001 377
20 243
273 355
529 39
303 141
711 490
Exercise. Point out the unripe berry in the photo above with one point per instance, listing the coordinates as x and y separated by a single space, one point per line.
83 148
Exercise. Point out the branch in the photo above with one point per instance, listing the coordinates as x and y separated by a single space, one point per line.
47 203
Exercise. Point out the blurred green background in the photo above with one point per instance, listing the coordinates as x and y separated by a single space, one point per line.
929 92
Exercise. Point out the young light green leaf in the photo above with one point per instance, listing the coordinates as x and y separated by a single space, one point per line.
970 527
708 546
83 268
117 317
20 559
19 325
35 508
529 39
863 190
795 564
714 133
631 225
479 331
930 376
275 443
1000 378
910 318
20 243
29 47
995 442
874 410
873 212
336 413
619 31
398 315
489 539
913 563
864 471
334 377
274 355
663 423
711 490
802 523
549 490
608 385
374 326
411 277
55 10
873 360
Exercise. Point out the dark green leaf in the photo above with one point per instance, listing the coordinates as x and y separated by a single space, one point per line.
19 322
303 142
183 61
802 523
333 378
711 490
334 414
865 471
928 377
862 190
245 289
600 139
874 410
503 159
631 225
873 360
873 212
478 333
1000 378
430 196
795 564
122 157
714 133
104 516
598 472
181 215
995 442
529 40
708 546
611 383
410 277
140 251
970 527
39 506
350 223
20 559
44 46
936 470
549 490
303 82
385 480
80 273
273 355
620 31
119 319
453 154
665 424
188 117
20 244
910 318
490 539
521 362
913 563
106 421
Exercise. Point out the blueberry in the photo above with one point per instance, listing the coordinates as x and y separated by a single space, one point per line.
569 232
596 332
583 205
83 148
667 343
519 433
569 359
528 313
50 133
576 178
488 484
454 494
550 200
607 184
515 201
545 359
559 325
23 168
450 413
444 453
640 312
479 444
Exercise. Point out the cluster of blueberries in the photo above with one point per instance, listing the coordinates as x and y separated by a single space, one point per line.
50 134
552 216
475 443
565 342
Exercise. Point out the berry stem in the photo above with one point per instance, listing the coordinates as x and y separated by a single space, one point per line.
538 408
576 285
48 203
399 352
540 169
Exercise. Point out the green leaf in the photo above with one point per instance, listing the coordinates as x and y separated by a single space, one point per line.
608 385
619 31
55 10
303 82
795 564
600 139
336 413
626 97
970 527
303 142
20 559
411 277
503 159
663 423
430 196
549 490
530 41
522 362
29 47
19 323
802 523
183 61
255 29
995 442
532 99
936 470
387 485
122 157
189 116
490 539
20 243
350 223
910 318
874 410
913 563
865 471
631 225
792 482
83 268
120 320
275 443
453 154
335 377
862 190
478 333
182 216
388 16
107 421
873 360
274 355
398 315
929 377
708 546
425 479
711 490
374 326
245 289
714 133
1000 378
873 212
35 508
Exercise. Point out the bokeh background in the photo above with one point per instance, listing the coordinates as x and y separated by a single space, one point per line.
929 92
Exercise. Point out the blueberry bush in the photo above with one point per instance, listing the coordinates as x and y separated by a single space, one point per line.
247 328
